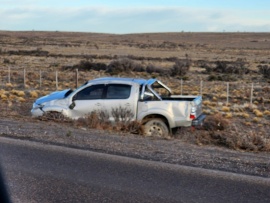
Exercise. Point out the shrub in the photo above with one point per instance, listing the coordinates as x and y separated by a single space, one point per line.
240 66
235 136
96 119
87 66
33 94
122 65
215 122
151 69
222 77
181 67
122 115
264 70
101 120
7 61
225 109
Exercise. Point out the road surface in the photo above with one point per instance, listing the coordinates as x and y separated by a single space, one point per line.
36 172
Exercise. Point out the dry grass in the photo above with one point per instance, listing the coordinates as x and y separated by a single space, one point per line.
146 50
234 135
100 120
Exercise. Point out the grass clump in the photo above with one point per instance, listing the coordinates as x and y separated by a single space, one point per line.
258 113
225 109
265 71
233 136
215 122
122 121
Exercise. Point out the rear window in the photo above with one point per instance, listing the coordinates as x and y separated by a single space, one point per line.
118 91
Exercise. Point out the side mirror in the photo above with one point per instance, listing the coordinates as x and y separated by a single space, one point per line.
74 97
72 105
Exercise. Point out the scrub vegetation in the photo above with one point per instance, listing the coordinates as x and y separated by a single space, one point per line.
31 61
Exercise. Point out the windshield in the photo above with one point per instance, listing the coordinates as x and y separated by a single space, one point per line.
71 90
68 93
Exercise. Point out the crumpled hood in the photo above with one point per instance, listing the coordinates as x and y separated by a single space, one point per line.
52 96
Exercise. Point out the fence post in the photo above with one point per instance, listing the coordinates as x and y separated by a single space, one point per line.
24 79
77 77
8 74
56 79
251 94
40 79
228 85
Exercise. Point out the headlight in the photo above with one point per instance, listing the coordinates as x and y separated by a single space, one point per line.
37 106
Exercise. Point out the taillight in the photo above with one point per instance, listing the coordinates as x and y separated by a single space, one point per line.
192 115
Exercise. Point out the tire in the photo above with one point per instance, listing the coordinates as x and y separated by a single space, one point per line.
156 127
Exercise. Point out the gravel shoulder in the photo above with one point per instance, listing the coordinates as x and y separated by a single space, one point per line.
172 151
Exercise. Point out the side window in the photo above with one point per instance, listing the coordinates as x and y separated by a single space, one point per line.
118 91
91 92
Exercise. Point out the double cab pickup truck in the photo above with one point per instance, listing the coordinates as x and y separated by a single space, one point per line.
148 101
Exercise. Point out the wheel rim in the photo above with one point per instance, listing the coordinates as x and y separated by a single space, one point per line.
155 130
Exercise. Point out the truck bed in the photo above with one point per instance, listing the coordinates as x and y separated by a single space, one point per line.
179 98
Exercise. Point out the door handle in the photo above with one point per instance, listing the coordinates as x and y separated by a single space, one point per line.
98 104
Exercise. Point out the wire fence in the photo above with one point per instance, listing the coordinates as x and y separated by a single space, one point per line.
236 92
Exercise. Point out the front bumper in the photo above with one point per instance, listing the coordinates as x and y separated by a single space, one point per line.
36 112
199 121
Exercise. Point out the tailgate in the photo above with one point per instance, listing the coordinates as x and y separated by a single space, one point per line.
196 107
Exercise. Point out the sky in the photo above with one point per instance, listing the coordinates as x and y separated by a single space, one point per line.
141 16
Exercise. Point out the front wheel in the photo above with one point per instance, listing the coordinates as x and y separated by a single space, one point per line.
156 127
53 116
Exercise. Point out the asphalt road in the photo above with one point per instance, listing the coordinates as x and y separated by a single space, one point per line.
37 172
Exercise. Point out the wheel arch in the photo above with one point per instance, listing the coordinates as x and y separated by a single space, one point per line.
55 109
151 116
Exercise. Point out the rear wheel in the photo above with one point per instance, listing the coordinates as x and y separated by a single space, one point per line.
156 127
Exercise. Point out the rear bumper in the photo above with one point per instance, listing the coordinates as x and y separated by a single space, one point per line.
198 121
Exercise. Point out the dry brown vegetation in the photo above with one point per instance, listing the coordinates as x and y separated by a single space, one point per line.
215 58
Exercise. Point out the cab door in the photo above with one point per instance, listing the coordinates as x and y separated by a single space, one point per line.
88 100
120 101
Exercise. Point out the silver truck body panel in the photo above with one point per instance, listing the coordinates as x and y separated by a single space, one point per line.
175 108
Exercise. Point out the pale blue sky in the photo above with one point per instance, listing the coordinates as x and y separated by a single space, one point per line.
141 16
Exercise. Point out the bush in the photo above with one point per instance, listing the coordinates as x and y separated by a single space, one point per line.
181 67
238 138
265 70
96 119
151 69
87 66
101 120
229 67
222 77
215 122
122 65
121 114
161 71
239 66
7 61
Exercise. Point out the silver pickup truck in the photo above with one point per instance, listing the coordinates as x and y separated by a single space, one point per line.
149 101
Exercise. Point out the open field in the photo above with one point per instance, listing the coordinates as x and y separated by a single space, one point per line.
35 63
